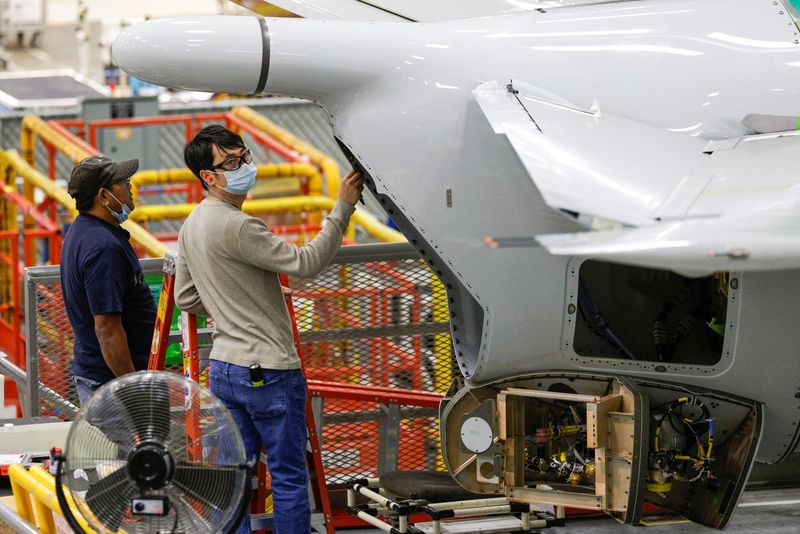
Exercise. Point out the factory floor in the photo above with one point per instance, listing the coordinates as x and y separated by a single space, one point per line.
776 511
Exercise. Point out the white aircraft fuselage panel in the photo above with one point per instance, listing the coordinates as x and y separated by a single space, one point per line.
401 99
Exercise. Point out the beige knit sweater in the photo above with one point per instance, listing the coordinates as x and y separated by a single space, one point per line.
227 269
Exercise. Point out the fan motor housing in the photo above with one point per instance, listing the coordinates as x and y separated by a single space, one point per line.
150 465
157 505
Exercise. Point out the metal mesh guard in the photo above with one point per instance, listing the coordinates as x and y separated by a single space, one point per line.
374 322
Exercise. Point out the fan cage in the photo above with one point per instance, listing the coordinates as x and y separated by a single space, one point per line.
157 411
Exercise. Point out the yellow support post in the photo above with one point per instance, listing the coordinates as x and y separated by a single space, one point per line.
24 487
48 481
28 141
350 234
22 498
8 222
28 147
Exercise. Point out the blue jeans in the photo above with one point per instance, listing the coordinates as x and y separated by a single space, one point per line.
272 415
86 387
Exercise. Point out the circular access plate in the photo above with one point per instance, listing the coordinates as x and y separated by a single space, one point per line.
476 434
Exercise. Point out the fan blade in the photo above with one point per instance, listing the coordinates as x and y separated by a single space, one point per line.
189 518
147 404
110 497
209 484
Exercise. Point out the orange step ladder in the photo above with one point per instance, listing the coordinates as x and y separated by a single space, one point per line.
191 369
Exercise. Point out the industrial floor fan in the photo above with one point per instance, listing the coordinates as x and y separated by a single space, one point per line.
154 452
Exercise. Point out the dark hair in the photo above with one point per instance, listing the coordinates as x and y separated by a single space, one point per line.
84 204
197 153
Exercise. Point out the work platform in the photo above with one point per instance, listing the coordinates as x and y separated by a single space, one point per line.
773 511
35 213
374 335
373 327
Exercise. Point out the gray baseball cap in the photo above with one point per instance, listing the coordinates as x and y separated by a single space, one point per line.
95 172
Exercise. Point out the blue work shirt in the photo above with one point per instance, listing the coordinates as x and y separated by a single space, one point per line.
100 273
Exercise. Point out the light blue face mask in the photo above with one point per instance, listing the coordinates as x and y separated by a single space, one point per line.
126 211
242 180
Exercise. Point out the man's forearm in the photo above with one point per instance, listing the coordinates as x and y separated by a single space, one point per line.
114 346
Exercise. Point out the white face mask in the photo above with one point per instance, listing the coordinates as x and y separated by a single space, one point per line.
121 217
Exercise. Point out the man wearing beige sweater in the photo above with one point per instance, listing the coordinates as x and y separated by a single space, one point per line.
227 268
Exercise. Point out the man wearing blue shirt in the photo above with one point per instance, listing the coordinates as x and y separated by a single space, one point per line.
108 303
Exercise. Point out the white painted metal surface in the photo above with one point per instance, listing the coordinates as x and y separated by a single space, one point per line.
33 437
623 169
476 434
174 52
416 10
658 84
738 210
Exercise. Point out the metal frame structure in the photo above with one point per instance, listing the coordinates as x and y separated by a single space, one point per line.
389 414
49 274
380 505
30 230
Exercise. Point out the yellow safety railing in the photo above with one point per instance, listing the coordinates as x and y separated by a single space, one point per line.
361 217
34 178
185 176
34 492
319 165
32 127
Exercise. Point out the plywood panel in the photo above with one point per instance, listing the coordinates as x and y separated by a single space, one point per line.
619 440
501 416
618 484
565 498
596 428
553 395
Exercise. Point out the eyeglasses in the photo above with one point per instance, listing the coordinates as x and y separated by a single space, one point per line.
126 182
234 162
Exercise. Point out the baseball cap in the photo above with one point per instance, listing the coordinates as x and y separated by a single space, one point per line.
95 172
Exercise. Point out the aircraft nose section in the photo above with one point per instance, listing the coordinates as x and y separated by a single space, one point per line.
217 53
